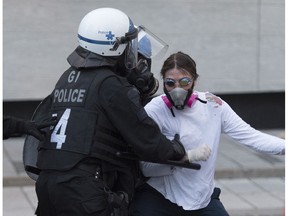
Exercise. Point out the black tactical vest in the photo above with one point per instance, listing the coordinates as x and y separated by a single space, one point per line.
83 129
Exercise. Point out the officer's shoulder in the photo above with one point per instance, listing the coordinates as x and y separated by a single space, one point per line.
115 85
113 80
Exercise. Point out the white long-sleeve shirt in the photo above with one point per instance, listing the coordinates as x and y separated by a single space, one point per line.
198 125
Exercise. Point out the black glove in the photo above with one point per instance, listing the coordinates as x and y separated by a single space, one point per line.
118 203
34 128
179 150
14 127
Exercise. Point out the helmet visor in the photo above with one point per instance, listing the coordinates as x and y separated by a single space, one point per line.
150 45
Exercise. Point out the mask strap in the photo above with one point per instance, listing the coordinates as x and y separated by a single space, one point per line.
191 100
167 101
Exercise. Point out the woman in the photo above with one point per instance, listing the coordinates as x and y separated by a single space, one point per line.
199 118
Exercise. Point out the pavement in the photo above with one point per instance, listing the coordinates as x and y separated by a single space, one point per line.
252 184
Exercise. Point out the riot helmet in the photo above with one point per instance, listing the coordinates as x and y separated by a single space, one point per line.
109 32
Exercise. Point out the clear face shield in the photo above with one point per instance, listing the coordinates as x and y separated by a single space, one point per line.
149 45
141 41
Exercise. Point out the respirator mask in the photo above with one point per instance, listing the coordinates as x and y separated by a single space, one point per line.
140 75
179 97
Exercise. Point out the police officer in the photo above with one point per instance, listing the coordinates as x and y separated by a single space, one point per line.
99 114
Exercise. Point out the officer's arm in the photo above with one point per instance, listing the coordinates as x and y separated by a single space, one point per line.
122 105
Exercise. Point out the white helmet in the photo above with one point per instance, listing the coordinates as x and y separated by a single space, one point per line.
107 32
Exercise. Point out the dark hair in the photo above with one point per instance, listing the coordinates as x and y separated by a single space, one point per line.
180 60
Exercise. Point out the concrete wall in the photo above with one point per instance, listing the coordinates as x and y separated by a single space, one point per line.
238 44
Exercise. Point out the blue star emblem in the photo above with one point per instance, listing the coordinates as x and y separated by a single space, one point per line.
110 35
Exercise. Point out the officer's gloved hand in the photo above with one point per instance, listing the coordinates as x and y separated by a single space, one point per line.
202 153
34 128
179 150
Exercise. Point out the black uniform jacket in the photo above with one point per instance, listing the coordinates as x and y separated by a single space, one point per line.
99 113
